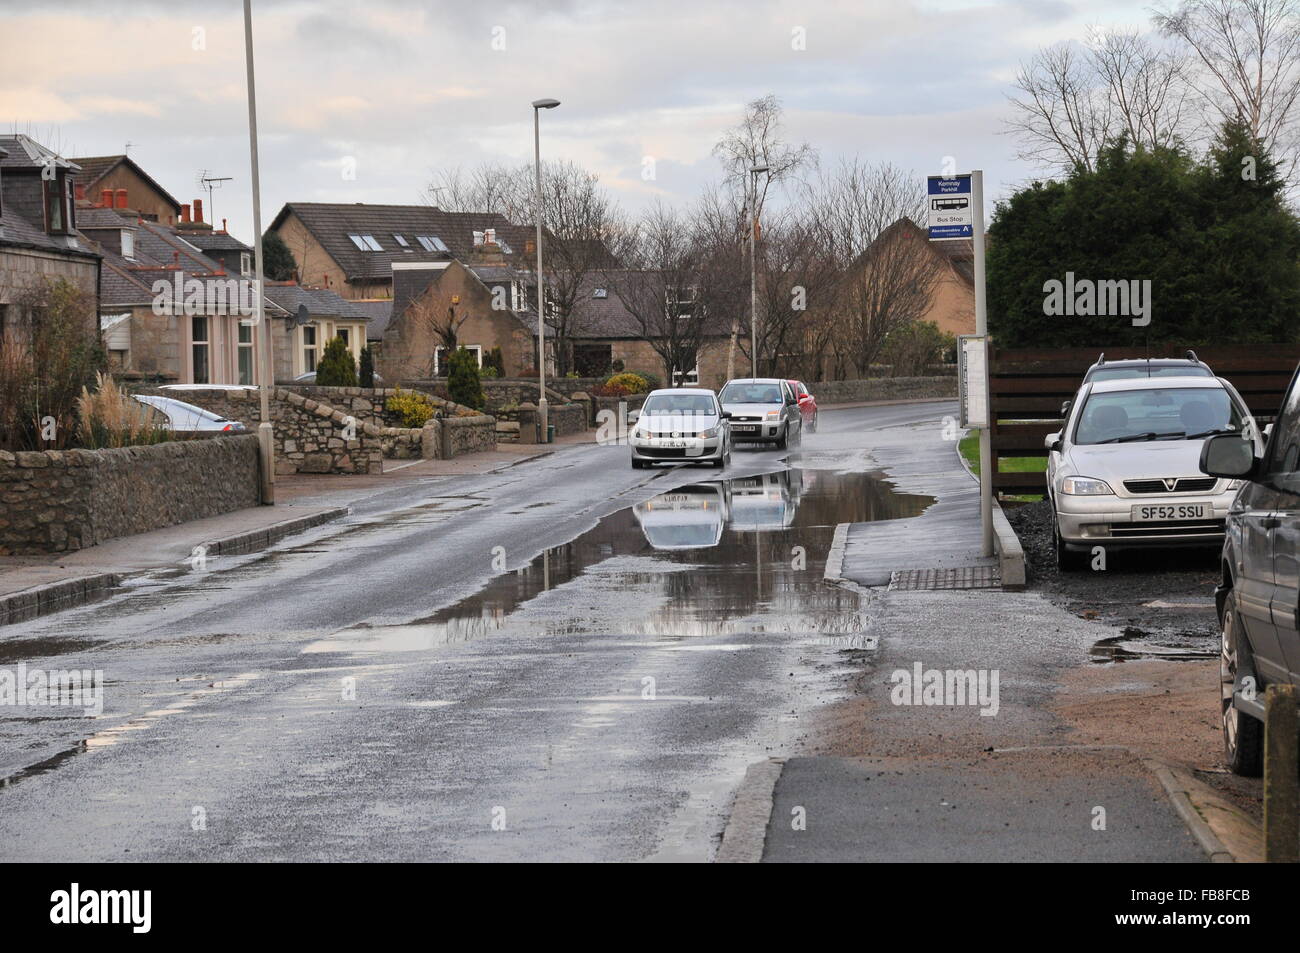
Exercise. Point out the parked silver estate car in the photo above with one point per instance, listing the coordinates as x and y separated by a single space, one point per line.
763 410
680 425
1125 470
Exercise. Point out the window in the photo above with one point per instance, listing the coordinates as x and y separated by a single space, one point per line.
308 348
199 346
1175 413
56 206
518 297
245 353
440 357
505 246
400 240
1283 468
358 241
128 243
365 242
600 293
431 243
245 263
680 302
346 335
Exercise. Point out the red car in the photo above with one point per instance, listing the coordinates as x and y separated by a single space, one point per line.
807 405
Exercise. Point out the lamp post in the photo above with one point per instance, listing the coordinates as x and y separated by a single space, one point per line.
265 431
542 412
754 173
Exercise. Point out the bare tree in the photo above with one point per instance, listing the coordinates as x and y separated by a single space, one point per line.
1249 55
1075 98
579 220
661 287
759 140
431 320
866 219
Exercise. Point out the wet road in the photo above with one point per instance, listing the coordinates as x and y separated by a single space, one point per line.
568 660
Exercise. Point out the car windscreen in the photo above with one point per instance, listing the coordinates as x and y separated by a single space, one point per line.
1174 413
1154 370
737 393
659 404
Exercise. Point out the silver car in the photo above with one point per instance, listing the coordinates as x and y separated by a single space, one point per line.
680 425
188 418
1125 470
763 410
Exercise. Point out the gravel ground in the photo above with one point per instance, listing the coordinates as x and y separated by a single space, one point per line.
1164 601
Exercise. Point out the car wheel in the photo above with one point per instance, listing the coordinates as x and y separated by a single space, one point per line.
814 424
784 440
637 464
1243 736
1066 559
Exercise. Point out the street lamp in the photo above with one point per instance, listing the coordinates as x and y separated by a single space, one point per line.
754 173
542 412
265 430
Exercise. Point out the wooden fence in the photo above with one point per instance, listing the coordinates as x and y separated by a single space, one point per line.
1028 385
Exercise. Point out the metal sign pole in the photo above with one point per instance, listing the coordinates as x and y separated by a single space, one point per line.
982 329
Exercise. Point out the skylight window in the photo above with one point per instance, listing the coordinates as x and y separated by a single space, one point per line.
600 293
401 240
358 241
371 244
504 246
431 243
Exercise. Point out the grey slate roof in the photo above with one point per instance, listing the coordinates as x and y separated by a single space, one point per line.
378 314
215 241
24 152
331 224
320 302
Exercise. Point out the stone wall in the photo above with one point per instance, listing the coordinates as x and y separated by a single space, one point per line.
565 418
310 436
60 501
883 388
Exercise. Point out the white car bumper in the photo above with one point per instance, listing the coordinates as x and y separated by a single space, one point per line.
1109 519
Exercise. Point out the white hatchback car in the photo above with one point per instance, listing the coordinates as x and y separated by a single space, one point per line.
680 425
1125 470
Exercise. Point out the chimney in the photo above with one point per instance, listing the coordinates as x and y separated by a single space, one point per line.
185 214
223 225
198 210
106 198
80 192
121 198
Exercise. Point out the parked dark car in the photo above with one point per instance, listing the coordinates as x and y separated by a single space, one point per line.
1258 597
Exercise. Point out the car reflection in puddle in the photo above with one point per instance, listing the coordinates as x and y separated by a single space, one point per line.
744 555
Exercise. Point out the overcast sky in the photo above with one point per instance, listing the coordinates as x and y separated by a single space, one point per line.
396 90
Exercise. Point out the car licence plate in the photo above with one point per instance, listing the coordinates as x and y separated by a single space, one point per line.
1163 512
744 429
672 444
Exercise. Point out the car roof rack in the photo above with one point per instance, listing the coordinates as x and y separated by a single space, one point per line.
1191 356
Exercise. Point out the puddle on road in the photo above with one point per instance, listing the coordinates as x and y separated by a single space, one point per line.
711 558
1134 643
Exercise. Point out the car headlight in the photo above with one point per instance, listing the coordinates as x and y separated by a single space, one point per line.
1085 486
708 434
773 415
1236 484
640 433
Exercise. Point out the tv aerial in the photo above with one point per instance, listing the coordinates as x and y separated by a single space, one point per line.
210 182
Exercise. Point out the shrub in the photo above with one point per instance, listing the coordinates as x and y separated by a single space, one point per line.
616 366
463 383
110 418
627 383
336 367
912 347
49 356
414 408
366 375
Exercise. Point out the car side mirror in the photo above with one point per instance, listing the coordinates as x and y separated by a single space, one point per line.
1053 441
1228 455
1065 408
633 416
726 415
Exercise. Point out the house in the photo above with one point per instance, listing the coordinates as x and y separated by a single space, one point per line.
352 248
39 242
130 186
317 315
472 301
171 313
952 298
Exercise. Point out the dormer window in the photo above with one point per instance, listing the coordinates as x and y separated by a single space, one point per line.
245 263
58 204
128 244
